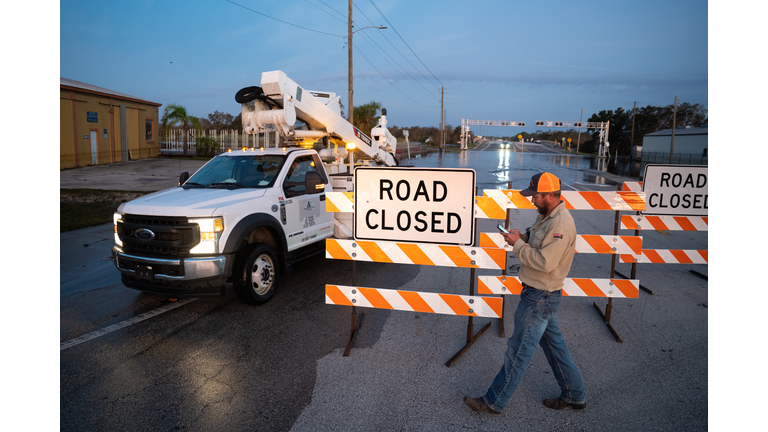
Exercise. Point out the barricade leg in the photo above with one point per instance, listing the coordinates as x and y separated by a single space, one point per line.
356 322
471 337
608 308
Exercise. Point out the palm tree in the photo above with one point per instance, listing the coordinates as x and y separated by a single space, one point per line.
176 115
365 117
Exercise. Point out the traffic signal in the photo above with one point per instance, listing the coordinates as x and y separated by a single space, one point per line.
522 124
577 124
539 123
558 123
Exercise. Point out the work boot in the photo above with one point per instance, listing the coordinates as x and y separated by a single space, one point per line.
559 403
479 405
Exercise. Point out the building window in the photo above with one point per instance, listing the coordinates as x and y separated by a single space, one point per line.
150 124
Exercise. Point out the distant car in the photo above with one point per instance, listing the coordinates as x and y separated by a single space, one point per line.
504 144
537 141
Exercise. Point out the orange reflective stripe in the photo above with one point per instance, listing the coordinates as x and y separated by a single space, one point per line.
513 285
415 301
685 223
485 241
496 304
337 297
518 200
499 256
653 256
596 201
635 243
457 304
629 222
375 298
626 287
491 209
374 251
633 200
706 220
415 253
330 207
597 243
589 287
681 257
457 255
704 254
656 223
335 250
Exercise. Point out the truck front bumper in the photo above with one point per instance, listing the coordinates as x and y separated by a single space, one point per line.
180 277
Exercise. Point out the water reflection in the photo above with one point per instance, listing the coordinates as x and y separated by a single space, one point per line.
496 168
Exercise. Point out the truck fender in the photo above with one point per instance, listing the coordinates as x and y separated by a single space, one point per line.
252 222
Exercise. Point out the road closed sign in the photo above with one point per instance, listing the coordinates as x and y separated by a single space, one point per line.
420 205
680 190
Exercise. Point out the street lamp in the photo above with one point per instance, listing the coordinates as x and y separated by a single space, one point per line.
349 41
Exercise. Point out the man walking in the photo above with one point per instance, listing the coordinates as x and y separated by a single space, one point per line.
545 253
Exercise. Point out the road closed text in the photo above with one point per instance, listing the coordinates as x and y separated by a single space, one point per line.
415 205
421 221
676 190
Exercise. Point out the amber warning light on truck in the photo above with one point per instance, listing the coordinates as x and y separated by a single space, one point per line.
415 205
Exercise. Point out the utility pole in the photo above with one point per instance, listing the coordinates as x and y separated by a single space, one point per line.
632 137
442 118
672 143
351 107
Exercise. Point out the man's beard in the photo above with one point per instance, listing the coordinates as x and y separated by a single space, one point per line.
542 210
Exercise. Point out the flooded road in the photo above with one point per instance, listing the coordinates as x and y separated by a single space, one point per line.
495 166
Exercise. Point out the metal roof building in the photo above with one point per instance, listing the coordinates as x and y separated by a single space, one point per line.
100 126
690 145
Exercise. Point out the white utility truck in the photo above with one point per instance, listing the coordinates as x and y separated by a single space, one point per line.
247 215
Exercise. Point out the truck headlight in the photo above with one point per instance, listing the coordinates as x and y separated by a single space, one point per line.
117 217
210 232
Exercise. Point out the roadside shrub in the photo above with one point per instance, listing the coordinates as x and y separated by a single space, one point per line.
206 146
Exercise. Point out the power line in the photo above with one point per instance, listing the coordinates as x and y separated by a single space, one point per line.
387 79
384 52
406 43
284 22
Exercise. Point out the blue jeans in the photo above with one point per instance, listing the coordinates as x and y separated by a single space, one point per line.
536 324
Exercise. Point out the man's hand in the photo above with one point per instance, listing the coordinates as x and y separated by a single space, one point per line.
512 237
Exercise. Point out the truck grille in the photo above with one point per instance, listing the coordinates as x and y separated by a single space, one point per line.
158 235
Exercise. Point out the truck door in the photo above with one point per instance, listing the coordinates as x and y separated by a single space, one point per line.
306 219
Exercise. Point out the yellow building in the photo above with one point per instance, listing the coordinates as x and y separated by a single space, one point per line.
100 126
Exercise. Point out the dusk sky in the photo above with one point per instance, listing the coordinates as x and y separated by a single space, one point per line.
497 60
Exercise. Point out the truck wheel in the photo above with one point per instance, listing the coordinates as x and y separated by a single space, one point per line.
257 282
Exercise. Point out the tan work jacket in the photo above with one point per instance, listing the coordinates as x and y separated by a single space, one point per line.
546 257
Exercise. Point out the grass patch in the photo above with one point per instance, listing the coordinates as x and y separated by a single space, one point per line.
82 208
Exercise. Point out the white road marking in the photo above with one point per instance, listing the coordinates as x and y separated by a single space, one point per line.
123 324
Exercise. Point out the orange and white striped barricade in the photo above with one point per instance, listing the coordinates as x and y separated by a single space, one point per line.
414 301
572 287
665 223
401 252
668 256
416 253
498 200
684 222
585 243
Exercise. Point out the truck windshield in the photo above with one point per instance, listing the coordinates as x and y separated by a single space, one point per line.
237 172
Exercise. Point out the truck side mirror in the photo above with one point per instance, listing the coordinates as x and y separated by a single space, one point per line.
313 182
183 178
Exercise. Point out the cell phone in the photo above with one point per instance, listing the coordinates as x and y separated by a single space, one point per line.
502 229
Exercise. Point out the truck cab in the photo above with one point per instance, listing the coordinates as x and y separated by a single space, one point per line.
244 217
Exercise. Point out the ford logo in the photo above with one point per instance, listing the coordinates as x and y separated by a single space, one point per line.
145 235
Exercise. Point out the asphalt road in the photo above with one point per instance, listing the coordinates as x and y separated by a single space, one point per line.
136 361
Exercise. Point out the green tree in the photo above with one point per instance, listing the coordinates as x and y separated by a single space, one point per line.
366 116
175 115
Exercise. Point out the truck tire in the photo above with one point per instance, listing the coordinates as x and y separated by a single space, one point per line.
258 276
